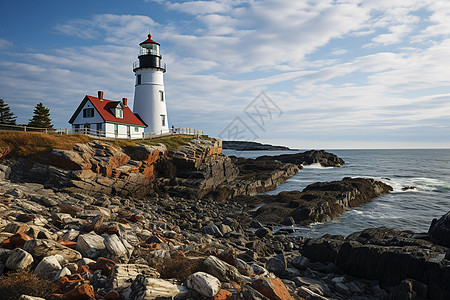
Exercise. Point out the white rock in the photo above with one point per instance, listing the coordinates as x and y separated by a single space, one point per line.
26 297
70 235
123 274
116 248
155 289
19 259
204 284
61 273
90 245
47 266
220 269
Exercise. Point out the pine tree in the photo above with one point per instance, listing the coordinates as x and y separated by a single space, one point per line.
41 117
6 116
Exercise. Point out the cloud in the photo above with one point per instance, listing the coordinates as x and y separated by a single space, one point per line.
221 54
5 43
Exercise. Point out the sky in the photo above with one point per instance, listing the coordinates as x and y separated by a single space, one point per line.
305 74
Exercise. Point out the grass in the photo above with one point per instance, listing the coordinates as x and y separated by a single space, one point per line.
25 282
26 144
35 144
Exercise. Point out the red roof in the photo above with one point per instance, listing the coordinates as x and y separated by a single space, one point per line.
149 40
104 108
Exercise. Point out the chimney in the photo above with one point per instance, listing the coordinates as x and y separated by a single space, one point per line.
100 95
124 101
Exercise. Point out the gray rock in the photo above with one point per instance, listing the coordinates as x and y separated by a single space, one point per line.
224 229
306 293
264 232
4 172
277 264
204 284
342 288
257 269
300 262
248 293
90 245
19 259
212 230
152 288
41 248
221 270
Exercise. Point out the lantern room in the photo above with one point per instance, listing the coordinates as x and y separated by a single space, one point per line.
149 47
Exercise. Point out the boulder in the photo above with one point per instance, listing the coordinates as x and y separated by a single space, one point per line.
249 293
90 245
300 262
81 292
272 288
204 284
41 248
48 265
152 288
325 159
19 259
277 264
221 270
116 249
123 274
69 160
319 202
440 230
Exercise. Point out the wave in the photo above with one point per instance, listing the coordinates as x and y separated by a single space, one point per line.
315 166
416 184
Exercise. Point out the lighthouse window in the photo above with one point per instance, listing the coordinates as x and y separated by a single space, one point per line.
163 120
88 113
161 96
138 79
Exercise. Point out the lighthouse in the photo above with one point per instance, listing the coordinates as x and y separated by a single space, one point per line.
149 94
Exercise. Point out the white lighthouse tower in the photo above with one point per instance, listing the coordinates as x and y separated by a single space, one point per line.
149 95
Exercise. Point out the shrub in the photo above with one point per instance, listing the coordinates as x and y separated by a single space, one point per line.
24 282
179 268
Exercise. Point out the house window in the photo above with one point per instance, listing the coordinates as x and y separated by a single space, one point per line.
163 120
119 112
136 129
138 79
88 113
161 96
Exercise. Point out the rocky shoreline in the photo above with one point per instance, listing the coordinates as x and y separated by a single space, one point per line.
152 223
251 146
98 246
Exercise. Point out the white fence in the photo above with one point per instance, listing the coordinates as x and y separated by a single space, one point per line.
104 134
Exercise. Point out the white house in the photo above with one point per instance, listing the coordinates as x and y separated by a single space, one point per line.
107 118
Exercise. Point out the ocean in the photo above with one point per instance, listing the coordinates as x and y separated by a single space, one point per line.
428 171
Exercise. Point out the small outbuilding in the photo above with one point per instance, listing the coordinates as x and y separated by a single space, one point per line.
107 118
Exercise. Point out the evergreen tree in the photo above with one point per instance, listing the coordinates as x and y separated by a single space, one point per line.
41 117
6 116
